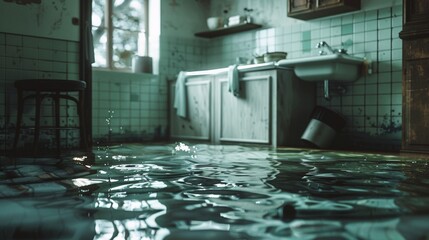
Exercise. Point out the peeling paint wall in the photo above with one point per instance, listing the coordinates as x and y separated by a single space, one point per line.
51 19
182 18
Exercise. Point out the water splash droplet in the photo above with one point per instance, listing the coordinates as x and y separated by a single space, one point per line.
184 149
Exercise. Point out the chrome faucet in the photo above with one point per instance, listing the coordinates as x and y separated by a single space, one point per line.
325 44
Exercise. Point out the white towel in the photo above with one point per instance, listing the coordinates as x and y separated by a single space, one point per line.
233 85
180 95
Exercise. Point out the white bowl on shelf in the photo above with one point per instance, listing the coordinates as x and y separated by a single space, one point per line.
274 56
214 23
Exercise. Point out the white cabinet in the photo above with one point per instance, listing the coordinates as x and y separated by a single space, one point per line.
197 125
245 118
273 108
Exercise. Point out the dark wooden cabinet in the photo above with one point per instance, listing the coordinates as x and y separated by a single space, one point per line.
415 104
296 7
309 9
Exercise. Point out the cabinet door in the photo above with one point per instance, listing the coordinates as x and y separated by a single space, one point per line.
298 5
245 118
327 3
416 106
415 40
311 9
197 123
416 11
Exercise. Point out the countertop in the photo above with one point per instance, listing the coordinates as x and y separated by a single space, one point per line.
240 68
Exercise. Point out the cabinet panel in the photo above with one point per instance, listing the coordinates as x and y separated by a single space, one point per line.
197 123
246 118
299 5
415 40
320 8
416 11
416 106
327 3
416 49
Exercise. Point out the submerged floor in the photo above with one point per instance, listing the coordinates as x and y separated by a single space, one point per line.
179 191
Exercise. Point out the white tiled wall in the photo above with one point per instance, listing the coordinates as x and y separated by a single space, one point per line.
128 107
26 57
372 105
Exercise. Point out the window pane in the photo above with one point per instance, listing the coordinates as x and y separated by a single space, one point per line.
98 13
99 33
124 47
100 45
128 15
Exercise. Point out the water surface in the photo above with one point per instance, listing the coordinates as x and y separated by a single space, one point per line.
182 191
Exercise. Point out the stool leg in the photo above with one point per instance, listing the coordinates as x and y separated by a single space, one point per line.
20 110
82 125
37 123
57 120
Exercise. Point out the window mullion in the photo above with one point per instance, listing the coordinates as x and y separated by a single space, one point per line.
109 27
146 27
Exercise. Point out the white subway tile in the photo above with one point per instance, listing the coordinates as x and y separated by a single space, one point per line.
370 36
371 25
384 45
384 88
359 27
397 10
397 21
384 102
371 47
397 54
385 23
336 31
13 40
384 13
371 89
396 98
370 15
359 17
384 66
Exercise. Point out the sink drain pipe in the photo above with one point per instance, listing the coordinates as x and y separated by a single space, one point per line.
326 93
339 89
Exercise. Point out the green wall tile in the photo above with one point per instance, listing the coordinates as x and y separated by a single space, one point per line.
306 35
347 29
306 41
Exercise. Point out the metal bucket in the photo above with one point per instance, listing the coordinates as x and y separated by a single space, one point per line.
142 64
323 127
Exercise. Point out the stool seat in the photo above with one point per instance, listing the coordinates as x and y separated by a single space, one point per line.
57 89
50 85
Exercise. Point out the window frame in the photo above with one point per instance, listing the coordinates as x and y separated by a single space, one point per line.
108 25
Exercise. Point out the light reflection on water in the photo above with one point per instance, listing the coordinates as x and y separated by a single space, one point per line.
182 191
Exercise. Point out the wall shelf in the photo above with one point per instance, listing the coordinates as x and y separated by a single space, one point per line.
228 30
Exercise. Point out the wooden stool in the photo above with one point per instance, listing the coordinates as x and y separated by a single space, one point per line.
55 89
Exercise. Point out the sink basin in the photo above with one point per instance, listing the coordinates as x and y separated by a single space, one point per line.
333 67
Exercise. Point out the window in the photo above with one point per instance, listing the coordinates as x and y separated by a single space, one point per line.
119 32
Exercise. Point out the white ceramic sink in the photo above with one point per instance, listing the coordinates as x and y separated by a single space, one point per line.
332 67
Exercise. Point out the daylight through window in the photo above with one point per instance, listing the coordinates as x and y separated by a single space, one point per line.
118 28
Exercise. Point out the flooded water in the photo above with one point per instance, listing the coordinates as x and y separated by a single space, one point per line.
180 191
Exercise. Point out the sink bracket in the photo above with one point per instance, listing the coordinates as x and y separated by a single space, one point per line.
326 93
